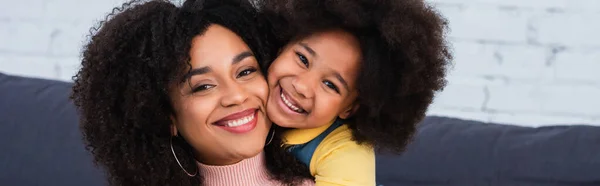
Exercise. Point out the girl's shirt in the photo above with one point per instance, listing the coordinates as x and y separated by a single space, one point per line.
332 156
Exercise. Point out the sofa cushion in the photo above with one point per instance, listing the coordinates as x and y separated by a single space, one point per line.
39 136
458 152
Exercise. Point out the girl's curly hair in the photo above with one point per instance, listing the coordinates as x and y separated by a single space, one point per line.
121 90
404 58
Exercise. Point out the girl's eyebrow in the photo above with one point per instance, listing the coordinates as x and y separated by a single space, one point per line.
310 50
336 74
341 79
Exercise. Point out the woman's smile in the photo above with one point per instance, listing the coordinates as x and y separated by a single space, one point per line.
240 122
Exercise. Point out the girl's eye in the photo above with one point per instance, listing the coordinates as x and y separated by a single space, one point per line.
246 72
331 86
203 87
302 59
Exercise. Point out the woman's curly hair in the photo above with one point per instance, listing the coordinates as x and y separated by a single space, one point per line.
121 91
404 58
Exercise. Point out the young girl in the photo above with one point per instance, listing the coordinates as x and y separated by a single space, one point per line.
352 76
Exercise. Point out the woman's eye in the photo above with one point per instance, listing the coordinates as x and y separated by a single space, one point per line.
302 59
203 87
331 86
246 72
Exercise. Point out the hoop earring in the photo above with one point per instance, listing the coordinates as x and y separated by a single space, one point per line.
176 159
271 139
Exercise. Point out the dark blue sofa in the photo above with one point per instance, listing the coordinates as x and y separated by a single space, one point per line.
41 145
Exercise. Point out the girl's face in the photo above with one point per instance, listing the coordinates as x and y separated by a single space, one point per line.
313 80
220 108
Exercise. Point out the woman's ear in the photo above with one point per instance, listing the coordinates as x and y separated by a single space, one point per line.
173 126
349 111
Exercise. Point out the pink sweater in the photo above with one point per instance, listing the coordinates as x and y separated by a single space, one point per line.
250 172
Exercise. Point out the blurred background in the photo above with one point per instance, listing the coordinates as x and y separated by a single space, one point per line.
519 62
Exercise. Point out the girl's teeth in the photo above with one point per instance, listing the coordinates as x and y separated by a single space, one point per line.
240 122
289 104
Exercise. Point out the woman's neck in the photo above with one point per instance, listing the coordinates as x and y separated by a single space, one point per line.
215 161
251 171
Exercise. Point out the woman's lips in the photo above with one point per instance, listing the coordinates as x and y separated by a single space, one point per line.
240 122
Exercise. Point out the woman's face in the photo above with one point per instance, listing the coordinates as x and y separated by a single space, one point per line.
220 108
313 80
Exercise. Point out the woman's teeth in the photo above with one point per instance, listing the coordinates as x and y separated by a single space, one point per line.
289 104
240 122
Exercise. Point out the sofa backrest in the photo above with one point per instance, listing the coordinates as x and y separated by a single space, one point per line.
40 141
41 144
455 152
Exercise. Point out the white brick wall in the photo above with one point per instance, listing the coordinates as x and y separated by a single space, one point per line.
43 38
522 62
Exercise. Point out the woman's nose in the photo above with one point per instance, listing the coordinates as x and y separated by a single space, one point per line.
234 95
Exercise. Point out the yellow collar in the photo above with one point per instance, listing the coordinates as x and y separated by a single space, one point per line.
301 136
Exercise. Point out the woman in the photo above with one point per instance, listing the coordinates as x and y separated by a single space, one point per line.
174 96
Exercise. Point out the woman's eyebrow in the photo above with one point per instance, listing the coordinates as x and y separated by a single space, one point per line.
241 56
196 71
199 71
